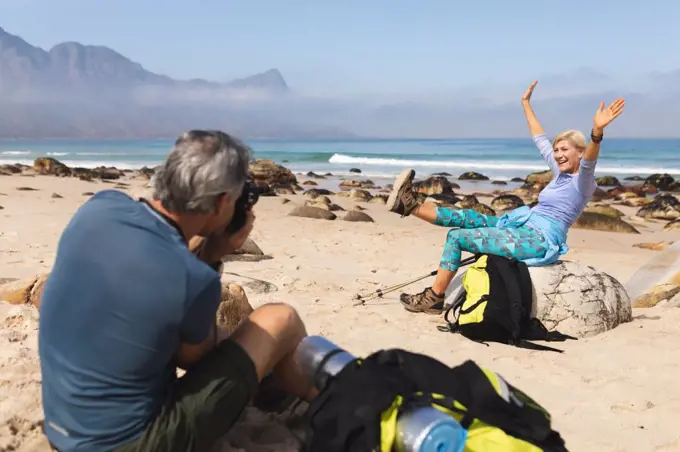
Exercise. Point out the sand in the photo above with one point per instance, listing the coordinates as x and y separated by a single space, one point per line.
616 392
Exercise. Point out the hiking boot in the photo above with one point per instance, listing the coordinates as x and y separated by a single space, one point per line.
426 301
403 200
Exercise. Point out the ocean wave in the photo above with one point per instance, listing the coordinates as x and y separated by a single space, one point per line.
15 152
91 163
343 159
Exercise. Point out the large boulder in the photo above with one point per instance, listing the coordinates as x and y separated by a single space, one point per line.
270 173
603 222
51 166
660 181
664 207
578 300
541 177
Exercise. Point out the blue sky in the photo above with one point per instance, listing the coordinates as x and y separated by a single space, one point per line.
353 46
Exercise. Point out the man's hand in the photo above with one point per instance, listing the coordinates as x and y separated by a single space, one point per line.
218 245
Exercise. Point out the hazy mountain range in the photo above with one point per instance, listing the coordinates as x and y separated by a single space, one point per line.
74 90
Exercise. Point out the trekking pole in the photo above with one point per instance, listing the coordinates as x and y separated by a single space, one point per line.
380 292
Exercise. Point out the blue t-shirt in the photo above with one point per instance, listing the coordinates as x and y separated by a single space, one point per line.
123 293
567 195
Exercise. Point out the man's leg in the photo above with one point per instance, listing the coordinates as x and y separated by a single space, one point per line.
519 243
210 397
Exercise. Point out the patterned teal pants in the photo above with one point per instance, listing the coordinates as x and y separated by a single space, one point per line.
478 233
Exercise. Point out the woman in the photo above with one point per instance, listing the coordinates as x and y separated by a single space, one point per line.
536 236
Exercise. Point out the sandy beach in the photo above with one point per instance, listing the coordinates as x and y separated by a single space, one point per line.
617 391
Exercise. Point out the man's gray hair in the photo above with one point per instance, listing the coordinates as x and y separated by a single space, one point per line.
202 165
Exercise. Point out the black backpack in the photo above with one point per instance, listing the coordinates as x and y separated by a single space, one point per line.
495 305
359 409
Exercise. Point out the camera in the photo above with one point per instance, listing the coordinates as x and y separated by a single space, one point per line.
245 202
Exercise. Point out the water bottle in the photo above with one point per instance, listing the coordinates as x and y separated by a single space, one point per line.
424 429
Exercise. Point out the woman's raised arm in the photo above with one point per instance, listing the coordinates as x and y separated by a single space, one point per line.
537 132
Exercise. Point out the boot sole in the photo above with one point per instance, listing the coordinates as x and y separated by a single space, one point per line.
393 200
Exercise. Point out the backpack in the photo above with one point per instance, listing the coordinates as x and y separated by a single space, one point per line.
495 305
359 408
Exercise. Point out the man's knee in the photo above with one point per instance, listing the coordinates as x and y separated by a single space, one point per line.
271 332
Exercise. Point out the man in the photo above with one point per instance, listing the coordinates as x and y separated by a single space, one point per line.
127 303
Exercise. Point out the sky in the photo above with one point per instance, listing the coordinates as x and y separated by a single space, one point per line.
353 47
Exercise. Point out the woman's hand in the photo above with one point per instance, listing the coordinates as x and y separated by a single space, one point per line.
527 96
604 116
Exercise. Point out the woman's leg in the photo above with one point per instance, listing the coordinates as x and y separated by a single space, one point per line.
403 201
519 243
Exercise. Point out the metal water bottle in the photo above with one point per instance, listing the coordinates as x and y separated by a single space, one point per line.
419 430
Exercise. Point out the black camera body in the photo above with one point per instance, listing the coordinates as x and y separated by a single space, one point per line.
249 197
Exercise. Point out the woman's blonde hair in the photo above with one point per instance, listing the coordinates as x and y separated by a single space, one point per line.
575 137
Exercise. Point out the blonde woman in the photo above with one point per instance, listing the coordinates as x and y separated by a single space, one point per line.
536 236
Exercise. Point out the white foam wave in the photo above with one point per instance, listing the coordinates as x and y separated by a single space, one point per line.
89 163
57 154
15 152
485 165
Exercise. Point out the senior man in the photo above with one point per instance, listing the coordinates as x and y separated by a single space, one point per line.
127 303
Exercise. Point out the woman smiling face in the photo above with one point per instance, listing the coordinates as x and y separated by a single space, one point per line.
568 149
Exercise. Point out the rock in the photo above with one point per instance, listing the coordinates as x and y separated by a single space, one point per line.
518 179
444 199
660 181
360 195
467 202
599 195
234 307
578 300
351 183
434 185
672 225
358 208
659 293
618 192
634 178
635 201
314 175
280 189
674 187
379 199
51 167
354 215
607 181
24 291
109 173
285 201
270 173
540 177
654 246
309 182
323 199
312 212
528 196
499 182
88 193
471 175
11 169
1 207
483 209
601 222
316 192
604 210
56 196
442 173
249 247
27 189
355 170
663 207
506 202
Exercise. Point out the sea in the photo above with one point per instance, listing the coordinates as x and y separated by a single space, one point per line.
499 159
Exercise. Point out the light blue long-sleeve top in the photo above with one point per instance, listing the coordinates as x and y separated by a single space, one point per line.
559 204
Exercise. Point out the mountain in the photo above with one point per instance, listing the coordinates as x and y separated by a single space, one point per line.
74 90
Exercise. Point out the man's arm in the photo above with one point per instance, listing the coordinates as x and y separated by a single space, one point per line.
198 332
